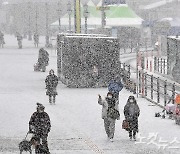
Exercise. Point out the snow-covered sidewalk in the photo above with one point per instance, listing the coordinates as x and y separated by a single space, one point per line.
77 126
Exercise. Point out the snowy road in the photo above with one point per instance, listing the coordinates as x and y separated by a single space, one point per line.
77 126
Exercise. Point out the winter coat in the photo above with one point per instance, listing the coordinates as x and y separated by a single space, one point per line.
40 122
36 37
131 113
19 38
43 58
115 86
105 104
51 84
1 37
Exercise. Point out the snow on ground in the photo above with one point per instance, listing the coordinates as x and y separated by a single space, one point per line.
77 126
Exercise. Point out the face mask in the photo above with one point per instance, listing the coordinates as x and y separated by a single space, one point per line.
131 100
109 96
40 111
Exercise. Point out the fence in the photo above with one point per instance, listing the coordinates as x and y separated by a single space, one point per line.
156 90
160 65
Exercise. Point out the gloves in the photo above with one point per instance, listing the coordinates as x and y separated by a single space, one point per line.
31 129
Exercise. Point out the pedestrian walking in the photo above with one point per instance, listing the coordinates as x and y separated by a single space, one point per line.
19 39
131 113
110 113
1 40
115 86
51 84
36 39
40 126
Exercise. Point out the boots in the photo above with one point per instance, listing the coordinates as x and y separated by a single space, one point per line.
54 99
134 135
50 100
130 135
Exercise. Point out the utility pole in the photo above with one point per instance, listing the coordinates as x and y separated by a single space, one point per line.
77 16
103 18
69 10
47 21
103 13
86 13
59 15
29 32
137 70
36 19
24 25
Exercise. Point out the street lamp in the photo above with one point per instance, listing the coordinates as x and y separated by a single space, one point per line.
86 13
59 15
69 10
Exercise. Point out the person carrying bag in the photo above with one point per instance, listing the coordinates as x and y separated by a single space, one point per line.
109 114
131 113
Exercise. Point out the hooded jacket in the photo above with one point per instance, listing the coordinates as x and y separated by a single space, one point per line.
105 104
40 122
131 110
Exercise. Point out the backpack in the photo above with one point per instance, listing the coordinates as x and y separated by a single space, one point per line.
113 113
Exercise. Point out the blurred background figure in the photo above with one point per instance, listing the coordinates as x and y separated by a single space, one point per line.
36 39
43 60
19 39
1 40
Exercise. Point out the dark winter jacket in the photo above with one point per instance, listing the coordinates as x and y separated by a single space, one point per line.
51 84
131 113
36 37
40 122
115 86
131 110
43 58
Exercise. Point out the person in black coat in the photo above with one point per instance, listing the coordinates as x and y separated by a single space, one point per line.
43 59
131 113
40 126
51 84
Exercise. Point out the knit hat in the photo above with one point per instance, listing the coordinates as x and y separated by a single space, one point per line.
109 93
40 106
51 70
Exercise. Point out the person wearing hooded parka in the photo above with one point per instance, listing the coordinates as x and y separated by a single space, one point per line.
109 119
131 113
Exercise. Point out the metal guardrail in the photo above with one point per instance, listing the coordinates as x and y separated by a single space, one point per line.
160 65
156 90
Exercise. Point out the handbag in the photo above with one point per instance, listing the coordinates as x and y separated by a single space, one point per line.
125 125
113 113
